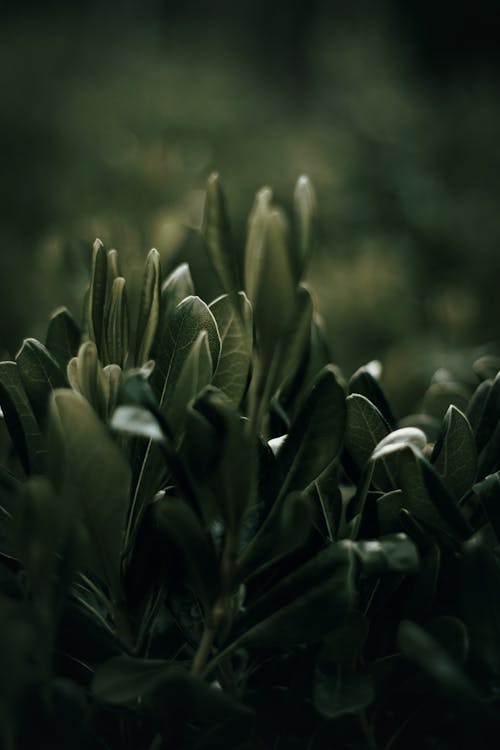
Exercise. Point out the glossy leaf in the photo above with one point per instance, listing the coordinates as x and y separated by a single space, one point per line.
100 497
366 427
179 333
20 420
63 337
117 324
217 233
236 335
149 307
316 435
364 383
304 201
454 454
40 374
97 295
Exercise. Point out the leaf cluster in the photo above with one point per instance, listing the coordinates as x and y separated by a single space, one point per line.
210 537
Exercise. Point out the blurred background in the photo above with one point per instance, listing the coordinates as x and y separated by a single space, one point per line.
113 114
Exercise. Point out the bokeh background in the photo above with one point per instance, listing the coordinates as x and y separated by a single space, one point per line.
112 115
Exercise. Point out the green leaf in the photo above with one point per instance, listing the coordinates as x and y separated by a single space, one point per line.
179 531
95 477
488 492
452 635
311 601
341 691
480 605
236 334
286 527
425 495
364 383
195 375
366 427
295 346
221 455
179 333
86 376
316 435
304 203
217 234
40 374
124 679
269 277
440 395
63 337
116 324
425 650
388 507
454 455
20 420
177 286
97 295
40 529
138 421
344 644
149 307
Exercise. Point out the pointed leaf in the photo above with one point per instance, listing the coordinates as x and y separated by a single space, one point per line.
196 373
217 233
97 294
20 420
454 455
366 427
177 286
236 334
341 691
63 337
179 333
316 436
40 374
149 307
116 324
96 477
304 201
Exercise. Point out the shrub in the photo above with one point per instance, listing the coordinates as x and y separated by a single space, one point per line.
210 538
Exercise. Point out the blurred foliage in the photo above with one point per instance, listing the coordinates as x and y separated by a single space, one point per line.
112 118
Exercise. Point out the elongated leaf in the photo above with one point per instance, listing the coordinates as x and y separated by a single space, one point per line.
179 528
180 331
454 454
423 649
97 295
316 436
117 324
341 691
124 679
20 420
295 346
217 234
364 383
488 492
221 456
304 201
236 334
63 337
285 528
366 427
425 495
40 374
149 307
177 286
135 420
269 278
196 373
95 477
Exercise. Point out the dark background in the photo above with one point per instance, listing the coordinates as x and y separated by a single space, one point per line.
113 115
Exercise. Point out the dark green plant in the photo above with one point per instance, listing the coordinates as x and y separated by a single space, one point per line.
210 539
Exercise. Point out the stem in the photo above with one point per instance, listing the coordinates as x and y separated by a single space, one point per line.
219 613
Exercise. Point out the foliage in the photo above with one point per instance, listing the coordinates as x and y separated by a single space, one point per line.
211 538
